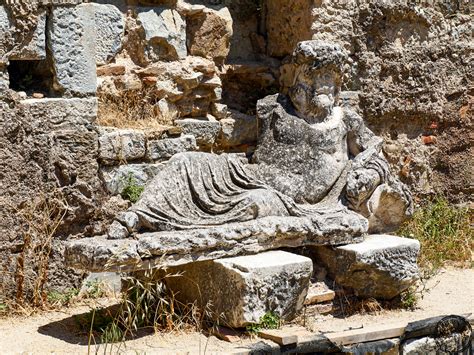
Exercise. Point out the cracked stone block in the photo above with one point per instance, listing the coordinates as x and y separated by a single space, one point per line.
240 290
110 26
58 114
116 178
205 131
209 33
165 33
165 148
382 266
35 48
121 145
238 129
71 39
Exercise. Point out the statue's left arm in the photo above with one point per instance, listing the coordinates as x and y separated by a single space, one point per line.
371 188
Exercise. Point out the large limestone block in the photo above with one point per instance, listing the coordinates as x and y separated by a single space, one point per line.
60 114
240 290
382 266
209 33
117 178
287 22
35 46
165 33
121 145
72 35
205 131
333 226
110 26
165 148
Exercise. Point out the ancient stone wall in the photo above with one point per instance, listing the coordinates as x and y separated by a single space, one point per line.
411 65
93 93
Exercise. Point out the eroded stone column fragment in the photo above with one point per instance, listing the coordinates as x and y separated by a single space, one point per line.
72 36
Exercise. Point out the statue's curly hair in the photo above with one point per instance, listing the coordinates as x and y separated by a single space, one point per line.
319 54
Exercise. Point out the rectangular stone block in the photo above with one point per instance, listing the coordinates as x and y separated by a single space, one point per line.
240 290
165 148
121 145
382 266
110 27
205 131
72 37
116 178
56 114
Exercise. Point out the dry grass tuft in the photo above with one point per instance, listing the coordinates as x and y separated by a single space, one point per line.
445 233
131 109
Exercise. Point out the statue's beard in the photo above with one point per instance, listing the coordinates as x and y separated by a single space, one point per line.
319 108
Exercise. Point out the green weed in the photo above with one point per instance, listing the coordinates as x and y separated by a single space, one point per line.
59 298
269 320
132 190
409 298
444 232
95 289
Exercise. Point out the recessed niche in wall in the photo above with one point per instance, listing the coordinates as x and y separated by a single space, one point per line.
31 76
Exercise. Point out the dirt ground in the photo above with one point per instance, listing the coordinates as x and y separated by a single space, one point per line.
449 292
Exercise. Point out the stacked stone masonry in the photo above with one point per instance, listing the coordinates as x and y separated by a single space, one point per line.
200 67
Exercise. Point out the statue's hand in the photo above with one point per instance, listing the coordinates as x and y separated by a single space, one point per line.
361 183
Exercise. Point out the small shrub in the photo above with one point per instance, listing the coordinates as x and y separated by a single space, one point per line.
444 232
58 299
409 299
111 334
132 190
95 289
269 320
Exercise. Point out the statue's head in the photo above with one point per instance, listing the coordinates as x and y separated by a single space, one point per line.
318 69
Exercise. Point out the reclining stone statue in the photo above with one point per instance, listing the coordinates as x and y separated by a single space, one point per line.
317 176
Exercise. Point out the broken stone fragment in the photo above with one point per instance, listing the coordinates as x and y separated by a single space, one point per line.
165 33
72 35
165 148
382 266
238 129
121 145
206 132
35 47
240 290
219 110
209 33
110 27
116 178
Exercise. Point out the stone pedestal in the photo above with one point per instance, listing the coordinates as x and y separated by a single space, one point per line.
382 266
240 290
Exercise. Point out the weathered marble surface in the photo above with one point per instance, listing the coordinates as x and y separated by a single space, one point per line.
72 35
240 290
382 266
167 248
110 27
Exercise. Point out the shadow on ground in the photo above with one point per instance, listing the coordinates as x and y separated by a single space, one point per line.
76 329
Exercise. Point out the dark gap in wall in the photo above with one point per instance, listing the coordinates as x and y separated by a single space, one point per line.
30 76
